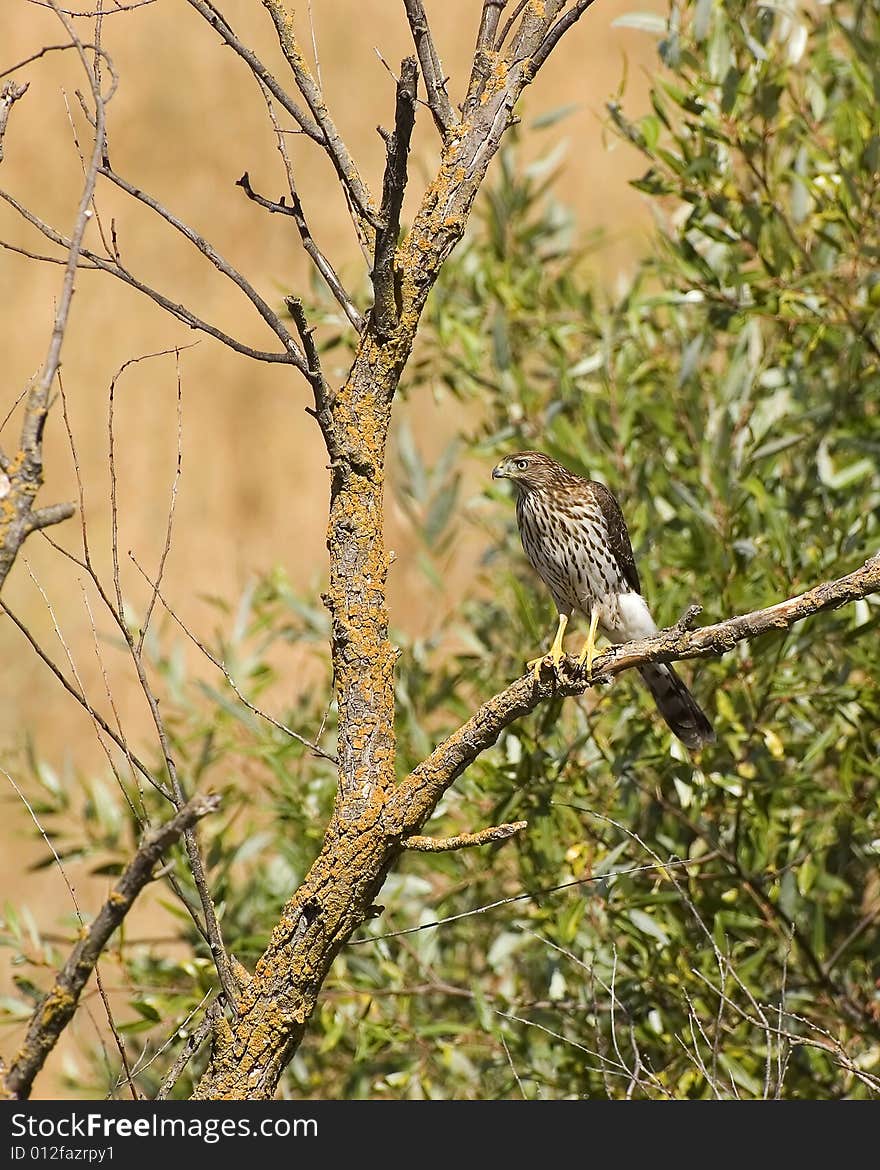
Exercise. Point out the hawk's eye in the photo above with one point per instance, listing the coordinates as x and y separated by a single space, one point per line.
522 464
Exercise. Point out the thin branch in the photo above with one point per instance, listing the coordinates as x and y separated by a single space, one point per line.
317 59
269 316
361 200
193 1043
313 747
508 24
528 896
418 794
102 12
84 703
464 840
295 211
71 44
166 548
561 27
432 68
57 1008
323 408
20 518
386 310
859 929
220 24
115 268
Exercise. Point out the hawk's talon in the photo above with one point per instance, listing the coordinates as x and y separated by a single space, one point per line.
536 665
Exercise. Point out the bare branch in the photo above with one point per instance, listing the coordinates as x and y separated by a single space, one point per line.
115 268
166 548
57 1008
464 840
432 68
323 265
72 44
218 21
84 703
323 409
101 12
386 309
193 1043
269 316
509 23
24 480
551 39
418 794
358 193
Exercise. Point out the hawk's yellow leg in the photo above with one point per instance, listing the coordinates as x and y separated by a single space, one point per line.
589 651
555 652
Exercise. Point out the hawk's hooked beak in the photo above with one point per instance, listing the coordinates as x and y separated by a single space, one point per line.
498 471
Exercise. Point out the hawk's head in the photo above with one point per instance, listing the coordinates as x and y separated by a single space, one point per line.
531 471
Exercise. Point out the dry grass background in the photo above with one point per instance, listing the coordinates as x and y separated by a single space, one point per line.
186 122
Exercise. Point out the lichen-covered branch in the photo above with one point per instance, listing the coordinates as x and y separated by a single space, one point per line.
464 840
369 824
418 795
58 1006
432 68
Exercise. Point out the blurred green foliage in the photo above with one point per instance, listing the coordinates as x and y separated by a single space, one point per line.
662 929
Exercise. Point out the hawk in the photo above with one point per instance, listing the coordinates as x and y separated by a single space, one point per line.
575 536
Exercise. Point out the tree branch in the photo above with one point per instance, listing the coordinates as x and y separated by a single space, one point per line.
464 840
58 1006
218 21
432 69
562 26
358 193
323 409
386 308
23 477
269 316
115 268
484 49
194 1042
323 265
416 798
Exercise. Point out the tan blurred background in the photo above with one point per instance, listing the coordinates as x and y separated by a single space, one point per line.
186 121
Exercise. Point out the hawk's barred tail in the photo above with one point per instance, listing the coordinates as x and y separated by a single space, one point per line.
677 706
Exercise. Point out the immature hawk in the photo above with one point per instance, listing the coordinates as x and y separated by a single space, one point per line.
574 534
